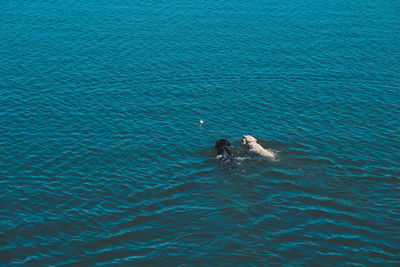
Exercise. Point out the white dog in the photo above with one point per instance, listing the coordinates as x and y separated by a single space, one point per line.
251 144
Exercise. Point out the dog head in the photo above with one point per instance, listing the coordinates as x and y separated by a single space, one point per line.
223 147
247 139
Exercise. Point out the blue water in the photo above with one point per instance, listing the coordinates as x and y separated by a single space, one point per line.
103 160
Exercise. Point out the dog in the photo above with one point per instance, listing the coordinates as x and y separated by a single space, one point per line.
225 155
223 148
250 143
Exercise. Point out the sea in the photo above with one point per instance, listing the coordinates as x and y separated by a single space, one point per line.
104 161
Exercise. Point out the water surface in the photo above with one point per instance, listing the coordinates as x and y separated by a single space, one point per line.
103 160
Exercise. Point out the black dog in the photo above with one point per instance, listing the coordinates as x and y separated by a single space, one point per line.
223 148
225 155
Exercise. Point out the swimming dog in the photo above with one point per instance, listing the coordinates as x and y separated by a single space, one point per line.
225 155
223 148
251 144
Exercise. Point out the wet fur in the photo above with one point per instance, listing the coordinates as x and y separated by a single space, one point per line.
225 155
250 143
222 146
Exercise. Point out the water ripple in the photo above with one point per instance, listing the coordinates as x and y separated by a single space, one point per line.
103 160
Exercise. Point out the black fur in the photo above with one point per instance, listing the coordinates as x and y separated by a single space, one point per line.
223 148
226 158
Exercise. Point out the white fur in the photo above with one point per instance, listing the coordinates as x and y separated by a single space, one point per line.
251 144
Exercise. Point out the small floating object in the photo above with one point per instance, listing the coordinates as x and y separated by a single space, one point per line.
201 121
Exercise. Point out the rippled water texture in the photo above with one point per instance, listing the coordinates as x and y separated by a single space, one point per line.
103 160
